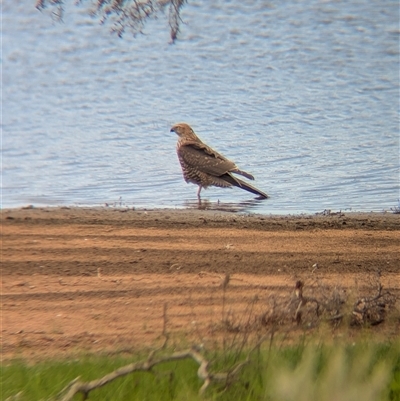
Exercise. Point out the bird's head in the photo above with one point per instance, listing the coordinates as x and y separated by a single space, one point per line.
184 130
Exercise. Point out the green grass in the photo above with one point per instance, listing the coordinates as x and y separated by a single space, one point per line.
366 371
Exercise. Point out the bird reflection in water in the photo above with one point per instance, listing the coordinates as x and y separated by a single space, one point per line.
205 204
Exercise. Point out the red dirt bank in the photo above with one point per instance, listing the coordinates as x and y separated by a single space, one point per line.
77 279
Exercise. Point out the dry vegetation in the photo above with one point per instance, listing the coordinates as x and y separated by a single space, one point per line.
332 304
240 336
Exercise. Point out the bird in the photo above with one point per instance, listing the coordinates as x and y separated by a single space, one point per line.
205 167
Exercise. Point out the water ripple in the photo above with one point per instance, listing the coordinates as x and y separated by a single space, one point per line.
304 95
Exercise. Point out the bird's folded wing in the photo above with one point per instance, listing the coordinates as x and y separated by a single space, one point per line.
205 159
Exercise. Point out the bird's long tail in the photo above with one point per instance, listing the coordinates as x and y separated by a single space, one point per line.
244 185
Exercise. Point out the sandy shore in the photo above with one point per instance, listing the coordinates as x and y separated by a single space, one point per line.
77 279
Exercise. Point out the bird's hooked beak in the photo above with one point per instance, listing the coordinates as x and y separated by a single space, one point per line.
180 129
175 129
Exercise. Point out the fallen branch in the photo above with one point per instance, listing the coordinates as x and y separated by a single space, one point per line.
76 386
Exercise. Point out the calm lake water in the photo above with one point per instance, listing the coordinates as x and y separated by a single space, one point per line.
304 95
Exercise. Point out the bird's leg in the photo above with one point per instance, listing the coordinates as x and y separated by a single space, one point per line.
198 192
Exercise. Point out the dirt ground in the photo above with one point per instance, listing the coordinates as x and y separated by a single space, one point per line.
96 280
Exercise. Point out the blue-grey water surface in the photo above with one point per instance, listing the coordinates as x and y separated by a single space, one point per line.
304 95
